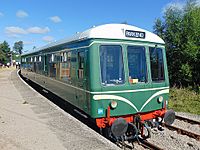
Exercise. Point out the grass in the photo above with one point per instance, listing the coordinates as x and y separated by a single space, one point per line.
184 100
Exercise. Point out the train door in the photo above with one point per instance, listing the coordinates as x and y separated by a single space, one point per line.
45 61
81 79
45 70
157 67
157 73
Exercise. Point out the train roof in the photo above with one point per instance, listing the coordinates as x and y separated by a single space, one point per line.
109 31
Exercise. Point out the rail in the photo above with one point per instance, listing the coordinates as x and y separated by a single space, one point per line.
188 120
182 131
149 145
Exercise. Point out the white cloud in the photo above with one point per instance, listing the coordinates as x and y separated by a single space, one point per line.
21 14
55 19
14 31
17 31
47 38
1 14
38 30
178 4
198 2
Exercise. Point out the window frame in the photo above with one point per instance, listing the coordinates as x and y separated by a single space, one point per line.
146 66
122 56
81 69
163 65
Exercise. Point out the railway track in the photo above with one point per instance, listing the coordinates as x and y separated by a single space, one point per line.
147 144
144 143
183 131
191 121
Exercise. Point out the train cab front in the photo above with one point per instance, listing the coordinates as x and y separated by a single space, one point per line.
134 126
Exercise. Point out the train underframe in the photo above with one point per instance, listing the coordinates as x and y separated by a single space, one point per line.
134 126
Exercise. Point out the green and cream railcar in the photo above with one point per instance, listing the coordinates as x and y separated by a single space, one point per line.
115 73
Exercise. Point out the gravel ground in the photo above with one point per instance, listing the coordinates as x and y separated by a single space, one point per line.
188 115
168 139
187 126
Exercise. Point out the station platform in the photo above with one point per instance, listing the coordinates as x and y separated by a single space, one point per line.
29 121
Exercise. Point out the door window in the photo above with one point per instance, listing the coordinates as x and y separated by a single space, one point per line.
81 59
157 64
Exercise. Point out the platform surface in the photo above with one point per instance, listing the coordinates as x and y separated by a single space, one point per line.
29 121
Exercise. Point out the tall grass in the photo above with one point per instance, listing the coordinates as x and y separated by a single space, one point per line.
184 100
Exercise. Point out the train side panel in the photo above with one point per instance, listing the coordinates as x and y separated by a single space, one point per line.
68 79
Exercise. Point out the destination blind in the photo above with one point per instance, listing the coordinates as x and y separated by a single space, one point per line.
135 34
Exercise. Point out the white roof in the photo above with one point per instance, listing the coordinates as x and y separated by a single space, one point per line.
117 31
110 31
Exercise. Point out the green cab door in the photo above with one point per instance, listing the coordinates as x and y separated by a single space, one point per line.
82 80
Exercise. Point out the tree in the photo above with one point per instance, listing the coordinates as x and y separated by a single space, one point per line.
4 52
180 29
18 47
2 56
159 28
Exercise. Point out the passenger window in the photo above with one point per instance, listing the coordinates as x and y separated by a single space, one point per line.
157 64
73 64
112 66
65 66
137 64
81 59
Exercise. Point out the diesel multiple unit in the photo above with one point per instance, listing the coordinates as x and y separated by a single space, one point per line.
115 73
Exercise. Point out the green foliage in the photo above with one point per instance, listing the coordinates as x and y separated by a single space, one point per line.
184 100
4 52
180 29
18 47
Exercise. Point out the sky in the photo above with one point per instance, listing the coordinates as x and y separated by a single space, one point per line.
39 22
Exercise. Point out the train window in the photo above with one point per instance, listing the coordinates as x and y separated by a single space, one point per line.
81 58
73 64
137 64
40 58
157 64
52 57
65 67
112 67
65 56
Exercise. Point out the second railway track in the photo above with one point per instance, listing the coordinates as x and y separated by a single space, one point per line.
191 121
179 130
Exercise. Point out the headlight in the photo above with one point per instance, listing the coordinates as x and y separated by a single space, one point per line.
160 99
113 104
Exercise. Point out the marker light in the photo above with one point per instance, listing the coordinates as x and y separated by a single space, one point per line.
160 99
113 104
